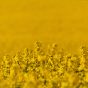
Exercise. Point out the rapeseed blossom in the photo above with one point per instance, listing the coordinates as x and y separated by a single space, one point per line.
38 68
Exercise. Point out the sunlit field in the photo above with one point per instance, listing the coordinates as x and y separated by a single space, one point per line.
59 57
24 21
45 67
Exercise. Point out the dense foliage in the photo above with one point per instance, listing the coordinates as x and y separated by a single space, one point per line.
44 68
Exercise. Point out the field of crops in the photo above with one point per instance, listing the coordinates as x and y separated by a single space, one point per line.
45 67
63 64
24 21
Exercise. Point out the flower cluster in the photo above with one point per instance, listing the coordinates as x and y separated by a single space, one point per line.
44 68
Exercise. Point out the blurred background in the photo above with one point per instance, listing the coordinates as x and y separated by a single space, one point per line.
22 22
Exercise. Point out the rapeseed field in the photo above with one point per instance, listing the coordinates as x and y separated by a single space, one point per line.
45 67
24 21
57 62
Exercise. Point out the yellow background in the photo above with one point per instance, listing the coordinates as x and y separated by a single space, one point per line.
24 21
